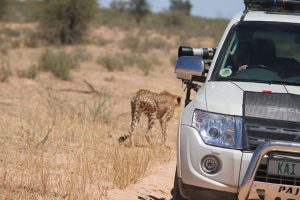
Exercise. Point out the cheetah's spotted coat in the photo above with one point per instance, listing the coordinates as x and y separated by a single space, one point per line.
155 106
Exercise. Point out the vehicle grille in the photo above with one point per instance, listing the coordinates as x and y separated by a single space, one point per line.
259 131
263 176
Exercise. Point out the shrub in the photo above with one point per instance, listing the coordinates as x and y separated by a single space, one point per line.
135 44
29 73
131 42
155 43
31 39
59 63
65 21
81 55
143 65
112 62
118 62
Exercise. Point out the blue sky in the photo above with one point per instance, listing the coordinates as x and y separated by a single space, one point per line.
205 8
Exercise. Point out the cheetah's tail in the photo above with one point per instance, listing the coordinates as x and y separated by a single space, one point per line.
123 138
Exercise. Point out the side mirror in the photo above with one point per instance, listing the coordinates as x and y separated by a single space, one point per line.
190 64
190 68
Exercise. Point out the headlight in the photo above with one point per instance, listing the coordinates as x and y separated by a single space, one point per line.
218 130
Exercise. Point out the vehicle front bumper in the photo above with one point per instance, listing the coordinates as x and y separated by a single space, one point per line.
251 189
235 180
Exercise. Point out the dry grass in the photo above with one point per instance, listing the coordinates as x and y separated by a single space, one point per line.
60 150
58 142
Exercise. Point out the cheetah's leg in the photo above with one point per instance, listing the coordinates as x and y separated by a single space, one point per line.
151 122
163 123
136 115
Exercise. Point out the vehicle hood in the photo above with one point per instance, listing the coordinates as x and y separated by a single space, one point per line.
227 97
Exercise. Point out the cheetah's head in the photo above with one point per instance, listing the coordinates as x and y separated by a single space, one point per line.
177 99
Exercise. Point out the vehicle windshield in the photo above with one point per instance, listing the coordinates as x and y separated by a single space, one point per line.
261 52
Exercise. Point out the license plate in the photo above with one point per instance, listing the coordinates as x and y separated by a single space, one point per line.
284 168
269 191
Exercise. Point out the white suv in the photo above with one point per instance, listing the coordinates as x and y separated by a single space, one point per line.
239 138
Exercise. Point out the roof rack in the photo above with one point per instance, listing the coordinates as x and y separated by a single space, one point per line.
273 5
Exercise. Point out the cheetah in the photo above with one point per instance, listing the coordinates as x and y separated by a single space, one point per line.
155 106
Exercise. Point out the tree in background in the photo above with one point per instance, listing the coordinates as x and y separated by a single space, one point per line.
119 5
65 21
139 9
4 6
181 6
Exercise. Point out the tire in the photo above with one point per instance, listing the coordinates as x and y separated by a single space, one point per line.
175 191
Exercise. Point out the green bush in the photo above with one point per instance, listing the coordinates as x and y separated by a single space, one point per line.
65 21
112 63
58 63
29 73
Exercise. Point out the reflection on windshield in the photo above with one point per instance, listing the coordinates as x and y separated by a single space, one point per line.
261 52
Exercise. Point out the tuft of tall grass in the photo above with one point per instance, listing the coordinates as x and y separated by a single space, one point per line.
129 166
62 153
5 72
100 106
